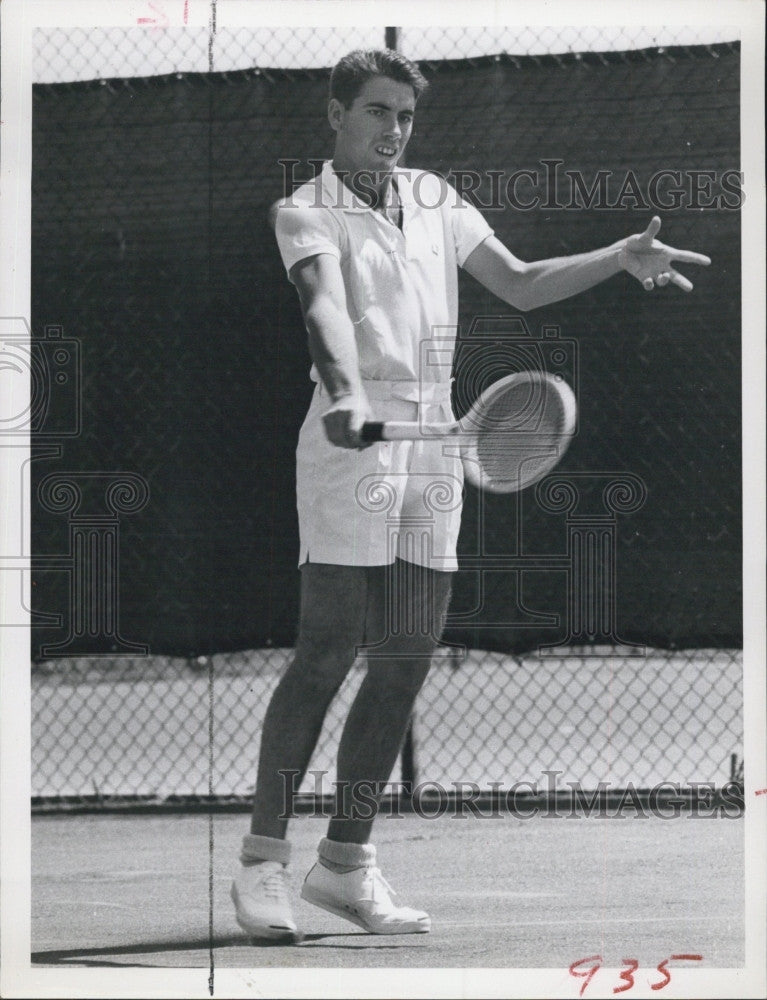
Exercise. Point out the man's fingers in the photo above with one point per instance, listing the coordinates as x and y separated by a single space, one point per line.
337 430
361 444
344 430
356 424
650 254
353 437
652 230
680 281
689 257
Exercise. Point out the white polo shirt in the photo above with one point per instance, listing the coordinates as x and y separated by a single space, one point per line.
401 285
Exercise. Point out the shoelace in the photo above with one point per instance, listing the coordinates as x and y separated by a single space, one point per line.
274 885
376 882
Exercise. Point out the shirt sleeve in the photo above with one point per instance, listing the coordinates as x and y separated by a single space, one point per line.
468 225
305 230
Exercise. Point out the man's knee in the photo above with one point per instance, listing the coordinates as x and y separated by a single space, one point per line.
325 648
330 629
398 676
316 672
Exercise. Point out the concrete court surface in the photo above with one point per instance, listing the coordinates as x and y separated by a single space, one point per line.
133 891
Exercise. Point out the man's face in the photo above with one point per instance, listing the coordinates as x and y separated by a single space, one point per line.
372 134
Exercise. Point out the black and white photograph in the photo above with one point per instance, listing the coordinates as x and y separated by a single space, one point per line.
382 408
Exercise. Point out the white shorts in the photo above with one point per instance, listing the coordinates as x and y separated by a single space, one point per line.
396 499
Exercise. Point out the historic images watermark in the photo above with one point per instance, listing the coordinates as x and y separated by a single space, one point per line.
547 797
41 411
550 185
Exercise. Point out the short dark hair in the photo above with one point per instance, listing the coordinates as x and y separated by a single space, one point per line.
351 73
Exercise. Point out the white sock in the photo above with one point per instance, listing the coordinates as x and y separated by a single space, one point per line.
256 849
342 857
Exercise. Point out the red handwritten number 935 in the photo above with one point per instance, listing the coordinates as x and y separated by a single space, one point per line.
586 969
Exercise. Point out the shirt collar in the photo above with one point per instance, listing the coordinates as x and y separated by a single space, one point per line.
338 195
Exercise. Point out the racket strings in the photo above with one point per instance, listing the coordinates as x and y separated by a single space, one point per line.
519 433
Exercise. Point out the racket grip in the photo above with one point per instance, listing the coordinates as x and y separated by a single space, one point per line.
372 431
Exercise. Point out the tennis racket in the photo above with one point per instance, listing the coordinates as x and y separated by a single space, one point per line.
515 433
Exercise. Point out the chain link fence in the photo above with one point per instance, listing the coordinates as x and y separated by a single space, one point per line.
63 55
154 266
168 730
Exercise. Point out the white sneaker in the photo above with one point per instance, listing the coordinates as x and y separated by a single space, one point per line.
260 896
364 897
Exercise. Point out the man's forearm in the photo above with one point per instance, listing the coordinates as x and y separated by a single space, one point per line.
333 350
527 286
546 281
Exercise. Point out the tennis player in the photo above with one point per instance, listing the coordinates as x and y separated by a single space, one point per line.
373 251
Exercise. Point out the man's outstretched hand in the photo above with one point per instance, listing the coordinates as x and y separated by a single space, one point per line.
649 260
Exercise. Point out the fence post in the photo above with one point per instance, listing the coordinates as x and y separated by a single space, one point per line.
391 38
408 771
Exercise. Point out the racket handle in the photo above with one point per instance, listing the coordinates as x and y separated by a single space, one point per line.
391 430
372 431
407 430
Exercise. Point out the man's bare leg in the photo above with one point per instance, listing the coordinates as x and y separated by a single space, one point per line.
341 607
331 628
408 618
